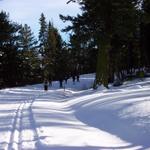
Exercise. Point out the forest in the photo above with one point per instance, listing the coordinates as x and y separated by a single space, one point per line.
109 38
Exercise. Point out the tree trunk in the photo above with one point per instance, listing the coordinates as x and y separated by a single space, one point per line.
102 73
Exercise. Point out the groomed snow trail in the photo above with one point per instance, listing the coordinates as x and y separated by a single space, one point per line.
19 131
23 117
113 119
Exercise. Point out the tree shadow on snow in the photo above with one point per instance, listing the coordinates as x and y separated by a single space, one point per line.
58 147
100 116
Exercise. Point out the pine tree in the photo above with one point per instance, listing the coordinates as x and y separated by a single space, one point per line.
50 51
145 32
27 39
59 59
103 21
42 33
28 54
42 48
8 51
76 58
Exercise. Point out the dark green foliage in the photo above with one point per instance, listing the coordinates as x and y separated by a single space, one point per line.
19 63
120 31
9 61
28 53
57 56
53 53
42 32
145 33
109 37
42 47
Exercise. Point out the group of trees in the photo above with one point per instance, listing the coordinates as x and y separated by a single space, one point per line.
9 62
19 62
109 37
25 60
61 60
119 30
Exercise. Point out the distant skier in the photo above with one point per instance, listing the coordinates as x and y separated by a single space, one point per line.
45 85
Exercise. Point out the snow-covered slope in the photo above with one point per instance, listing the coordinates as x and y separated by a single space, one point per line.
76 118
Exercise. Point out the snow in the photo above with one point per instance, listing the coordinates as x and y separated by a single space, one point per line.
76 117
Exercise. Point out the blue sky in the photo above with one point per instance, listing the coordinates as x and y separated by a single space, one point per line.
28 11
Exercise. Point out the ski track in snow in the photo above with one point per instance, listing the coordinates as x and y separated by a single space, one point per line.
63 120
15 133
16 136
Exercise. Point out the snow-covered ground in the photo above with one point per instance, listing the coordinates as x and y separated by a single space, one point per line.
76 118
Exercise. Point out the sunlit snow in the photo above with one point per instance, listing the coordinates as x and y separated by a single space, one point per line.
76 117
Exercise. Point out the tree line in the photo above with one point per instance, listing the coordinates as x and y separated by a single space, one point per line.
109 37
27 60
120 31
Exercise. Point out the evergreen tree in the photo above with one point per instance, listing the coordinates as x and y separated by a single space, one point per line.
42 33
59 60
78 55
103 21
28 54
9 71
145 33
42 46
26 39
50 52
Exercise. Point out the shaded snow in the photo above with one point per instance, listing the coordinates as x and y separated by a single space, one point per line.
76 118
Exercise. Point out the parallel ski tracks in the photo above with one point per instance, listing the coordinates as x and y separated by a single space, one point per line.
15 140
